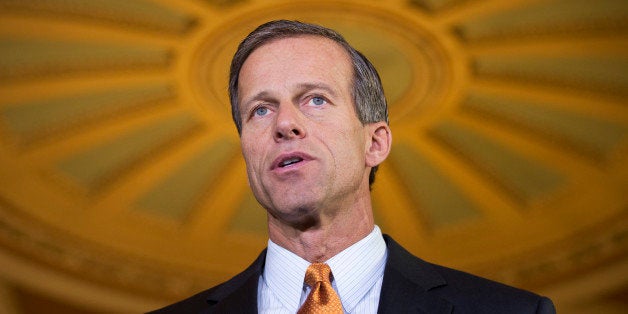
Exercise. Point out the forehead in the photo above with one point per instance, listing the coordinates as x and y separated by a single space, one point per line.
303 56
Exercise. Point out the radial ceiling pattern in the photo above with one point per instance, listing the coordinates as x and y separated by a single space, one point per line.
119 162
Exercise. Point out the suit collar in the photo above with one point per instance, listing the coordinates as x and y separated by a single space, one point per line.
407 287
238 295
408 282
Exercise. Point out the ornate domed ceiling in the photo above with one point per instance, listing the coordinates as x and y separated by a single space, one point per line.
120 170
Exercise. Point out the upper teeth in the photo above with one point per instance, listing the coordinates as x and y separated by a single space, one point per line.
289 161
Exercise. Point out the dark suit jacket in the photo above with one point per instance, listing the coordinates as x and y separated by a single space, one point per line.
410 285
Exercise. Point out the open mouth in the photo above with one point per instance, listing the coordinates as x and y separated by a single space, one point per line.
290 161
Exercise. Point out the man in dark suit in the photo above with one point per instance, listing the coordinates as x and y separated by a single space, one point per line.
313 125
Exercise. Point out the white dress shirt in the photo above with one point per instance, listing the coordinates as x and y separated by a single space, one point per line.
357 272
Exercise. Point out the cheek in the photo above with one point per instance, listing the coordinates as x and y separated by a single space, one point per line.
350 147
251 153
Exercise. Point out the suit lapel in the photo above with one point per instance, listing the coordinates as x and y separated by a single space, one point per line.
242 300
238 295
407 284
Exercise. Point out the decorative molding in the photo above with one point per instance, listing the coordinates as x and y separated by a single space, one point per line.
439 201
586 135
32 121
545 18
95 167
584 251
604 74
148 15
435 5
524 179
222 4
23 59
181 191
24 236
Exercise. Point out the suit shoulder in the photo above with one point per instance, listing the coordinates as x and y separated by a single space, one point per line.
204 300
193 304
485 295
467 293
466 282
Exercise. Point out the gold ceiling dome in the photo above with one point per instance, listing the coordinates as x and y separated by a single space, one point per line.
122 184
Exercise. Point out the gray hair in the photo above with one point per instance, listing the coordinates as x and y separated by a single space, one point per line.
368 93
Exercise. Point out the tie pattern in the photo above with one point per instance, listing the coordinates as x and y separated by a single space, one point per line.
322 297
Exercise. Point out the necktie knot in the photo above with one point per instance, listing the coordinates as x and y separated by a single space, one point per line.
317 272
322 297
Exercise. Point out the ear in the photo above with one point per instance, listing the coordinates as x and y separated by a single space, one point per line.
378 143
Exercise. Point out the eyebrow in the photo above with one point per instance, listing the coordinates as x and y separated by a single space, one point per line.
263 95
301 87
304 87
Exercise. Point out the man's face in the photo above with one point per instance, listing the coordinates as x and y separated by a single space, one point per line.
301 139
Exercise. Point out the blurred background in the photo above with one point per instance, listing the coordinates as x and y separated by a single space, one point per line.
122 187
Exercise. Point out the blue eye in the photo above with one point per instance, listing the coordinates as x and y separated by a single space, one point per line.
261 111
318 101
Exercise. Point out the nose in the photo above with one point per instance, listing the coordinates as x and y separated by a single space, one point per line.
289 123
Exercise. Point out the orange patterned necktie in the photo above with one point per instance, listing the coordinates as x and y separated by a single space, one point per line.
322 297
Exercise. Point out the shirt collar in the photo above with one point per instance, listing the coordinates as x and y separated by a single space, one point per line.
357 268
355 271
283 273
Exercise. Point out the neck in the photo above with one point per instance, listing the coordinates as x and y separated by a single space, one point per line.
325 236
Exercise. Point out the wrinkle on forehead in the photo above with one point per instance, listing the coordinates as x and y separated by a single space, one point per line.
282 68
309 51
